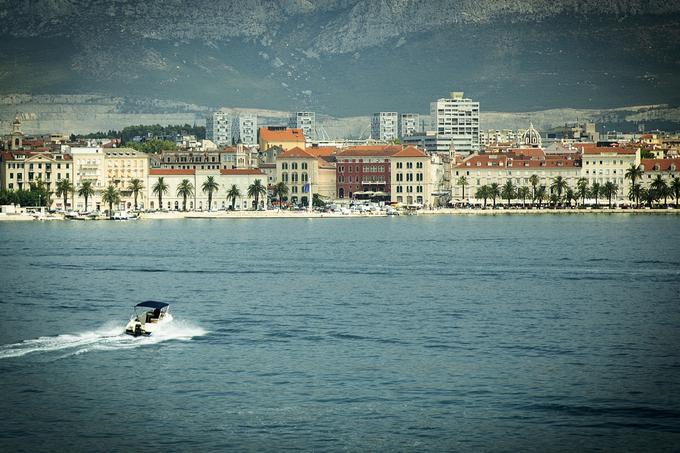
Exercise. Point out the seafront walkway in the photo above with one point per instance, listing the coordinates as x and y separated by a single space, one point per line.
273 214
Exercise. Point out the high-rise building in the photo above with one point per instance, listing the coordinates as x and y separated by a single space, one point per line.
305 121
456 120
218 128
384 126
409 124
244 129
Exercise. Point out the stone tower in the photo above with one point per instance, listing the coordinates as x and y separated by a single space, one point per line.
17 136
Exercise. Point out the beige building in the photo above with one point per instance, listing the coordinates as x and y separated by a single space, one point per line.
602 164
667 168
486 169
89 165
21 168
411 178
122 166
281 136
241 178
297 167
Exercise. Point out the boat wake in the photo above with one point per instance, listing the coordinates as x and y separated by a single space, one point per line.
107 338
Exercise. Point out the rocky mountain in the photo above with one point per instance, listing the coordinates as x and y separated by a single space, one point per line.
346 57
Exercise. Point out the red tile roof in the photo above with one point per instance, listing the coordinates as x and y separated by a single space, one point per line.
410 151
322 151
285 135
536 153
295 153
170 172
370 151
241 171
502 160
660 164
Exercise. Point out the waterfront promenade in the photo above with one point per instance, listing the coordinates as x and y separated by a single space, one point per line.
273 214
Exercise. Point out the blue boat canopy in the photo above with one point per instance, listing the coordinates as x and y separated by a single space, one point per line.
152 304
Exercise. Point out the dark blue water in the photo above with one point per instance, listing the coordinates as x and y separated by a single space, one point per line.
446 333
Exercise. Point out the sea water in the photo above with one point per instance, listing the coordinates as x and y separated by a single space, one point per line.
378 334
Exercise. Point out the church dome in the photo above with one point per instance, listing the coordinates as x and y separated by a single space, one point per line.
531 137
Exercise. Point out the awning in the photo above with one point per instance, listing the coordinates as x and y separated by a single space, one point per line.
152 304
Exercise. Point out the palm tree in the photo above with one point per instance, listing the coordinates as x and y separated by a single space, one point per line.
64 187
534 180
569 195
135 186
595 191
609 190
523 192
661 188
634 173
233 193
582 190
86 190
559 185
494 191
635 193
210 186
675 189
280 190
540 194
111 196
508 191
185 189
647 195
483 193
554 200
256 189
462 182
160 188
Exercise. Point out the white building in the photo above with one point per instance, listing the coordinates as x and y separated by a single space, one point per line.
218 128
244 129
456 119
305 121
384 126
409 124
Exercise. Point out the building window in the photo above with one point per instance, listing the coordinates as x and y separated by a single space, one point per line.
293 166
304 165
419 165
409 164
399 164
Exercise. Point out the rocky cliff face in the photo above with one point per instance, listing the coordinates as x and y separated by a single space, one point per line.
346 56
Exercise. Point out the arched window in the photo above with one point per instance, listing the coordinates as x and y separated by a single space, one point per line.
284 166
303 166
293 166
294 177
284 177
341 193
304 177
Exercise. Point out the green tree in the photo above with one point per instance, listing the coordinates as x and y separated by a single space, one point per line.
595 191
569 196
661 189
582 190
508 191
135 186
523 192
635 193
279 191
160 188
534 180
255 190
558 186
185 189
675 189
494 191
482 194
462 182
540 194
634 172
609 190
111 196
64 188
210 186
86 191
233 194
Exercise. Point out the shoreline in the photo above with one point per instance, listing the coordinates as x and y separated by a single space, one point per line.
332 215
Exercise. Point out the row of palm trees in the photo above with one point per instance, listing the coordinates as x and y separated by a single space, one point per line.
186 189
86 190
560 191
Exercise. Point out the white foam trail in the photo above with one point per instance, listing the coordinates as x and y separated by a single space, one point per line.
107 338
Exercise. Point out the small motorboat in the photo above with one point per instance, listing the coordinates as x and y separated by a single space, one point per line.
148 317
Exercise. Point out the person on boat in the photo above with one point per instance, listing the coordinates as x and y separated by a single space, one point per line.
157 313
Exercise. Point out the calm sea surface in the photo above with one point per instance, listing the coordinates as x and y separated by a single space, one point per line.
419 333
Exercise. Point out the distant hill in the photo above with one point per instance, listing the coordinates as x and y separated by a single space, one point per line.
347 57
82 114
